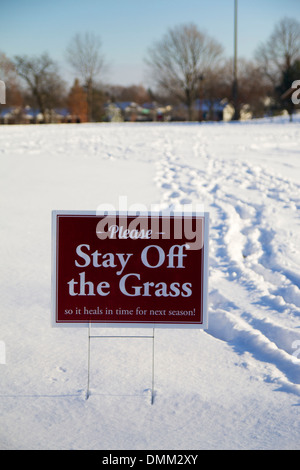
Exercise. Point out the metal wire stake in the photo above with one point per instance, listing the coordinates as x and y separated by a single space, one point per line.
131 336
89 361
152 393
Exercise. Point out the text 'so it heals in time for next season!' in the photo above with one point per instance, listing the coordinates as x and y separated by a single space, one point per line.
129 270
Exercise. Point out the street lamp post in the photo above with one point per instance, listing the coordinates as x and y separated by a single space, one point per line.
235 80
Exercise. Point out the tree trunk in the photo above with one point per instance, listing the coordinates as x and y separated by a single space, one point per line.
189 103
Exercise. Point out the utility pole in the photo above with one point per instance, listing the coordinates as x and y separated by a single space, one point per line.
235 80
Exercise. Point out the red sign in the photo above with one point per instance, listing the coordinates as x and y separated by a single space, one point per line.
129 270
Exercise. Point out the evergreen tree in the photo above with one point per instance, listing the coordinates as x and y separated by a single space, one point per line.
77 102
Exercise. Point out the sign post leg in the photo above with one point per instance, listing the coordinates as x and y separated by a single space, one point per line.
152 391
89 358
89 362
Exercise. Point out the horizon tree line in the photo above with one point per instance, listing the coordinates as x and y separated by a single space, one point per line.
184 65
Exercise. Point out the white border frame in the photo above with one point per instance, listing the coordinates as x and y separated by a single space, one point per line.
203 325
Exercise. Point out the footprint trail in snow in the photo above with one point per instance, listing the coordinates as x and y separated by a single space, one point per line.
254 295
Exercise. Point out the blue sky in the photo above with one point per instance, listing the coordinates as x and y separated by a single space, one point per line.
128 27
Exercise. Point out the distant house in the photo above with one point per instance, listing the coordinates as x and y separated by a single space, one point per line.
157 112
133 112
32 116
28 115
11 115
113 113
219 110
6 115
129 110
63 115
207 110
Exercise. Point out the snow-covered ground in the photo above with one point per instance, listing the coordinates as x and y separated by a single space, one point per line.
234 386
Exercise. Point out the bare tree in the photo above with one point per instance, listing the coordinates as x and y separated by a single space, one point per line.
136 93
85 56
278 58
254 88
41 75
281 50
180 58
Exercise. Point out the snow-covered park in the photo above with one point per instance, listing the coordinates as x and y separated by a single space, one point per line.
235 385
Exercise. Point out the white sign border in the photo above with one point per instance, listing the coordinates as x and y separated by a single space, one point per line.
203 325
